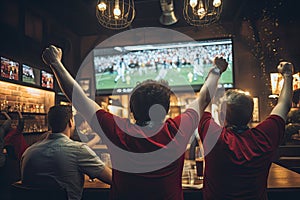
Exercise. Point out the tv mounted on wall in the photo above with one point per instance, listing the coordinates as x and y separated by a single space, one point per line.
9 69
47 79
31 75
118 69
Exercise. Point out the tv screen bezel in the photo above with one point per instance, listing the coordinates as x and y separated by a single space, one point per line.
180 89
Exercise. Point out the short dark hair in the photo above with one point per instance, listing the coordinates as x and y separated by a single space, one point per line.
58 117
147 94
239 108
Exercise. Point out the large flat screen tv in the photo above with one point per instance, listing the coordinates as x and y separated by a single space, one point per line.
183 64
31 75
9 69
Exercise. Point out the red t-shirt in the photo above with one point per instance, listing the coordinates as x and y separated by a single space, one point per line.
16 139
161 183
237 164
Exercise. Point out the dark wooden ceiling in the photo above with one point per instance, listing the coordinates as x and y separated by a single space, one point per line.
79 15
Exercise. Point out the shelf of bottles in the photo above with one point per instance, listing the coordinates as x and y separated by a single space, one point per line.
33 103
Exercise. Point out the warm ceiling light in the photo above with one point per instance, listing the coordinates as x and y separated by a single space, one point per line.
115 14
119 14
217 3
117 11
101 6
202 12
193 3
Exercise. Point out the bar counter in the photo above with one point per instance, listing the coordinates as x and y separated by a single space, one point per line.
282 184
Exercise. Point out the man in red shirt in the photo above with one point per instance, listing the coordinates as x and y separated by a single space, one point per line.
15 142
238 158
13 147
147 156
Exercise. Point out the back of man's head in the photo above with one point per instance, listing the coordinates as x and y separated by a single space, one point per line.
59 117
146 95
239 107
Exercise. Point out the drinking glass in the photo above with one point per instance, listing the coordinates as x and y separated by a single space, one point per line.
199 158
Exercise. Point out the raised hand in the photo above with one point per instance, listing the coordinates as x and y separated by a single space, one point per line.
221 63
52 55
285 68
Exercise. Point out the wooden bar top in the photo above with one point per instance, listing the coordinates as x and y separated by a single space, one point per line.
282 184
279 178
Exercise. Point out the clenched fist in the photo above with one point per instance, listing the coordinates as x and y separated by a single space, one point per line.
221 63
51 55
285 68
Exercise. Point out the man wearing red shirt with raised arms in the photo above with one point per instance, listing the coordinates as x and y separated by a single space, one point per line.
147 156
238 158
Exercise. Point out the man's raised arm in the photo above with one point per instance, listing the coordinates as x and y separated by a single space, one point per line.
209 88
7 123
87 107
285 98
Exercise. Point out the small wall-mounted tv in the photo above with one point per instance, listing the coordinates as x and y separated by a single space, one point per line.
9 69
183 64
277 82
47 79
31 75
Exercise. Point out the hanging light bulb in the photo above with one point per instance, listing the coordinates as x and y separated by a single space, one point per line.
217 3
117 11
201 12
102 6
193 3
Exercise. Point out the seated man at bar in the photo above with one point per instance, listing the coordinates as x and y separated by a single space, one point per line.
59 162
148 155
238 158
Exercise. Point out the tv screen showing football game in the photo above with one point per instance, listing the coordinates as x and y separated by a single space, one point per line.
31 75
9 69
182 64
47 79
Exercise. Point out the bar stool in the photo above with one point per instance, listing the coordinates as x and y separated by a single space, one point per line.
19 191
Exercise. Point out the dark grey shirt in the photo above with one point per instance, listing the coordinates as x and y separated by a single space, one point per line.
60 161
